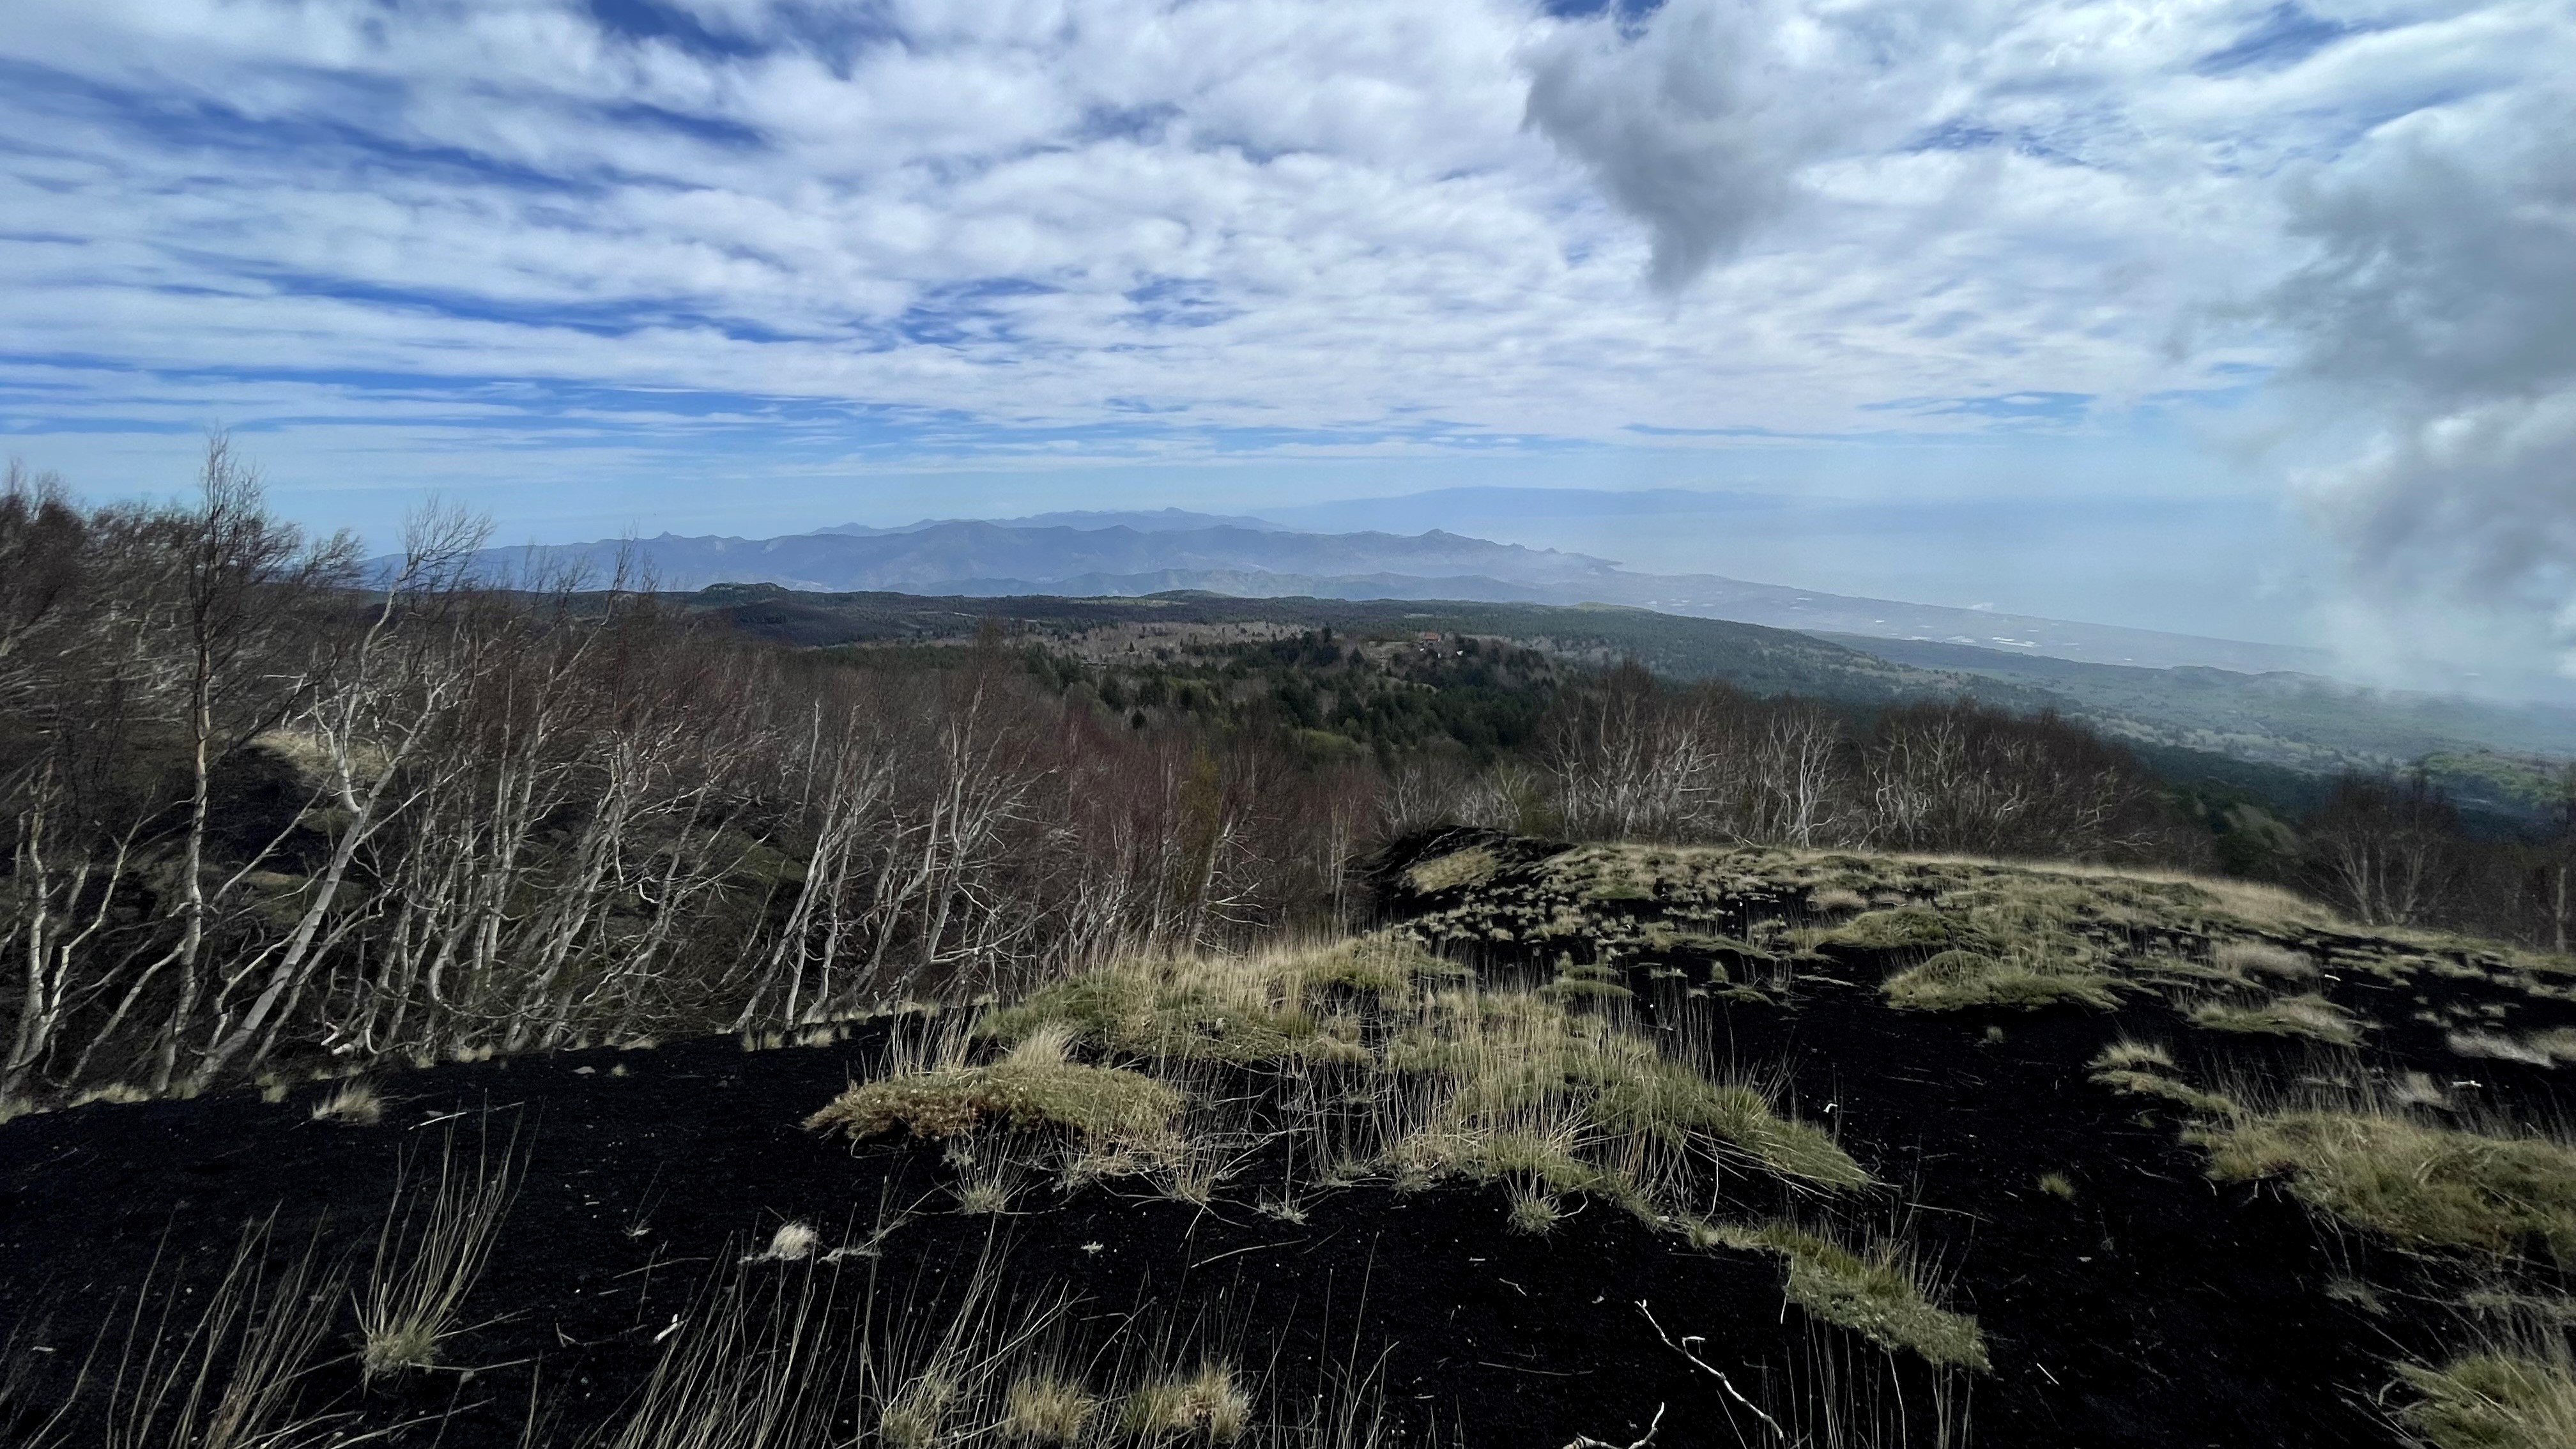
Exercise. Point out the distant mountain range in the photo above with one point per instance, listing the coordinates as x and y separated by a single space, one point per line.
1133 554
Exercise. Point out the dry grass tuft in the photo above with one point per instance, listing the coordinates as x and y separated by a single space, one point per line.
2142 1069
1534 1210
1899 929
1209 1405
1470 867
2511 1396
2128 1054
430 1255
2262 958
1045 1408
2308 1015
353 1103
792 1243
2421 1184
1517 1082
1269 1006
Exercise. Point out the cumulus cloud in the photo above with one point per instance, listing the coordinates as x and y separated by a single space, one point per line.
1699 120
944 231
2435 382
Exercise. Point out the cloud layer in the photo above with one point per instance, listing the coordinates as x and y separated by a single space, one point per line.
967 234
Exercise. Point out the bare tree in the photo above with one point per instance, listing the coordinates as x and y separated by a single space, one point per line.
2382 848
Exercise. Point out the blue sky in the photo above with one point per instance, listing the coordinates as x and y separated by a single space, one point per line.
2246 318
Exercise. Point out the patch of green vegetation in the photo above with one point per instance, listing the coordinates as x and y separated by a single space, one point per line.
2308 1015
2496 1400
1574 984
1956 980
1511 1061
2141 1070
1102 1104
1898 929
1470 867
1247 1009
1878 1294
2423 1185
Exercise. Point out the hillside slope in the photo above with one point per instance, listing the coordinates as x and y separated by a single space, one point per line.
1721 1147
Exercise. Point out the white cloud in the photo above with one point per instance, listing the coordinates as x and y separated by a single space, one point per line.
1398 224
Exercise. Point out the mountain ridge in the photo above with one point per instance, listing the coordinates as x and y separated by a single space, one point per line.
999 558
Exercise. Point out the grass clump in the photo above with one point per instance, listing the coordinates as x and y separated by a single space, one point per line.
1225 1009
2262 958
2308 1015
1878 1293
1036 1086
1520 1076
1898 929
2423 1185
2503 1398
1209 1405
1956 980
1534 1211
1470 867
2141 1070
430 1254
1043 1408
353 1103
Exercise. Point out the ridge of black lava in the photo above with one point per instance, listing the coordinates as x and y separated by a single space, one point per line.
2154 1309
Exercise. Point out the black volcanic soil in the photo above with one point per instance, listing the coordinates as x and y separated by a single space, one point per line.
2155 1308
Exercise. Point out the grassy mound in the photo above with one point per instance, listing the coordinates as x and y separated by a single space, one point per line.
1281 1006
1957 980
1878 1294
2308 1015
2496 1400
2421 1184
1024 1090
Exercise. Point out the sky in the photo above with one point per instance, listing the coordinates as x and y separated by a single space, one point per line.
2237 317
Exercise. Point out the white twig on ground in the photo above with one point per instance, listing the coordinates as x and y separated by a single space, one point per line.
1684 1349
